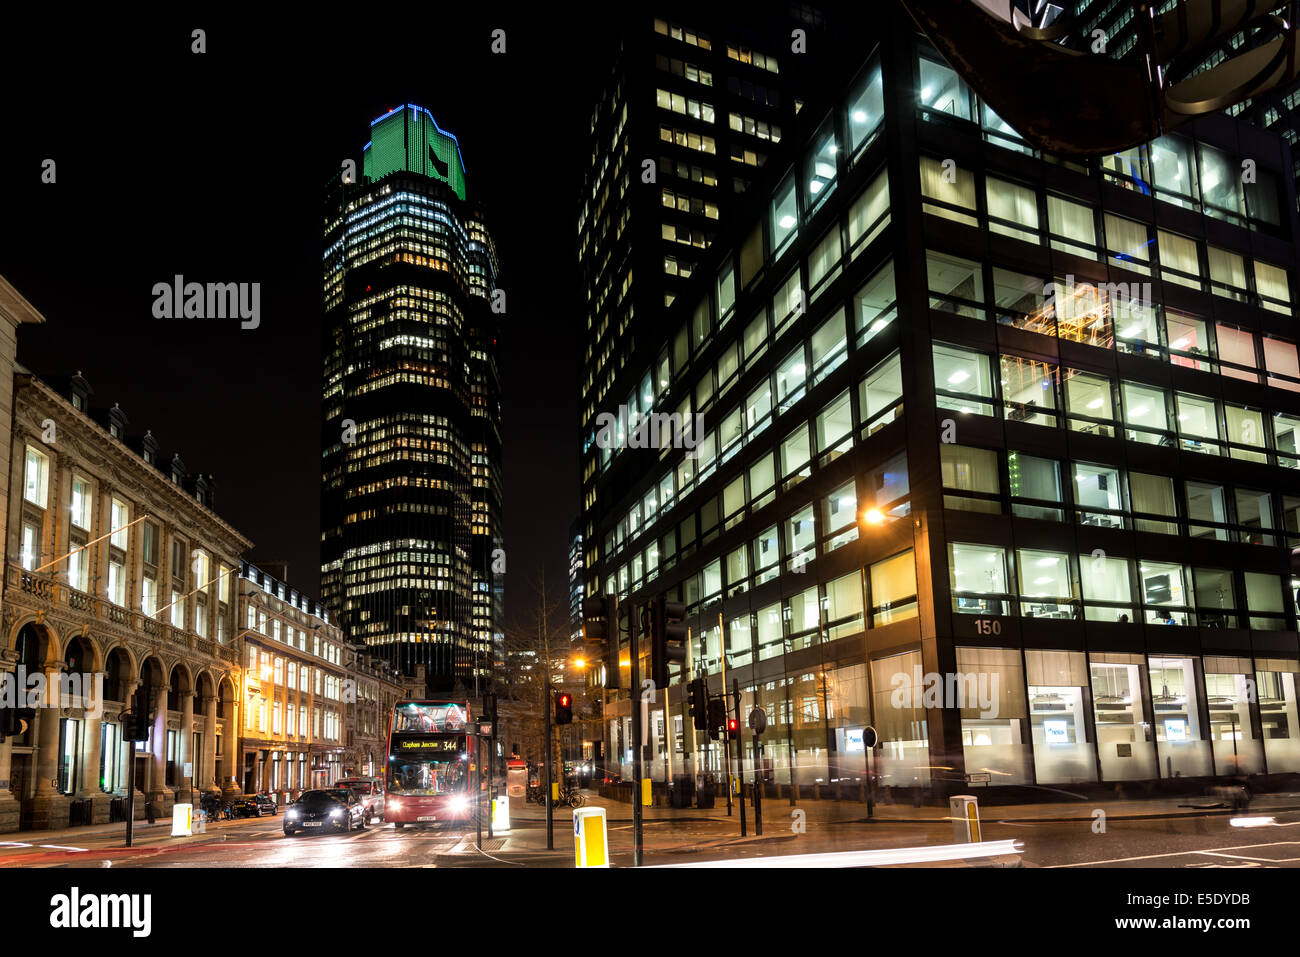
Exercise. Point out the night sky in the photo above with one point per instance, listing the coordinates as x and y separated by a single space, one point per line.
214 166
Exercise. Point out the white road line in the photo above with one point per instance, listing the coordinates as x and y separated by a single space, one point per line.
1149 857
1246 857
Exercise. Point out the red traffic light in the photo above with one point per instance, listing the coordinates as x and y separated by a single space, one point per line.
564 701
733 726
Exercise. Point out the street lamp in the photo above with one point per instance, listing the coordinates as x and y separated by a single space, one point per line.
873 516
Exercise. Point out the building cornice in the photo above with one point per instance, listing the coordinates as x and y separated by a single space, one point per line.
93 444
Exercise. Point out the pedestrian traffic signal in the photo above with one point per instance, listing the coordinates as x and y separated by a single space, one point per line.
667 638
733 727
700 704
15 721
563 708
600 630
136 724
717 716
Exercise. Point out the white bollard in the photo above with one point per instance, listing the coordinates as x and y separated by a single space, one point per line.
501 814
965 812
182 820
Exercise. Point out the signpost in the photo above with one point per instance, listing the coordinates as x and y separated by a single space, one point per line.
758 722
869 741
740 757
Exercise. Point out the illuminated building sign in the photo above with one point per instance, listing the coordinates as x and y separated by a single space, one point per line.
425 745
408 138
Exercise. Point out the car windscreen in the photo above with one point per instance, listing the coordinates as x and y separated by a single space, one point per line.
361 787
316 799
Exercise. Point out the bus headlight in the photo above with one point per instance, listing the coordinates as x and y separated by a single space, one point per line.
459 805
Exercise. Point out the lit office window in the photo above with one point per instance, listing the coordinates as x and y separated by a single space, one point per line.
1107 588
893 589
36 477
978 578
1013 210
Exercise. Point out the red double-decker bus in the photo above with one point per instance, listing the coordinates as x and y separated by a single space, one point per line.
428 777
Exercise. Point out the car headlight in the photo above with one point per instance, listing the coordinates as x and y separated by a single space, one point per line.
339 813
291 813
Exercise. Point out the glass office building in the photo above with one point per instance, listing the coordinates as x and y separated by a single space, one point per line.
411 436
1000 457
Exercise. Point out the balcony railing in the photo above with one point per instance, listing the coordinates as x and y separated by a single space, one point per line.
52 592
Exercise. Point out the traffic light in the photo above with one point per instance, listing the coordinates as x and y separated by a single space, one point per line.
717 716
667 638
600 628
563 708
700 704
135 725
733 728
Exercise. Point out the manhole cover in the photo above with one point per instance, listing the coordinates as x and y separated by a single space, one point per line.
495 843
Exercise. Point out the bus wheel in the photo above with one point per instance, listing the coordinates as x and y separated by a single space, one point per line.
399 825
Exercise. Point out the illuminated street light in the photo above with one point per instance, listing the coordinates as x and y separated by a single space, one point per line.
873 516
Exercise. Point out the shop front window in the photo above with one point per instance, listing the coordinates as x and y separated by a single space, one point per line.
994 719
1276 684
1180 730
903 758
1124 738
1058 717
1228 696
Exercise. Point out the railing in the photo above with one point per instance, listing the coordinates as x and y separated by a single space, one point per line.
52 592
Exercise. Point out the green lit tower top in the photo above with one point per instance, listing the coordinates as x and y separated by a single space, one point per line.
408 138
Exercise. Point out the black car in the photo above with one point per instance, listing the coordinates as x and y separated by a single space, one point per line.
325 809
254 805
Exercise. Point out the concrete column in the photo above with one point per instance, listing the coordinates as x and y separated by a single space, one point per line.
184 753
159 794
91 789
9 806
49 807
209 780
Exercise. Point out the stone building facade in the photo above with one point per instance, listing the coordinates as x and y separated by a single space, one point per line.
119 595
295 680
375 690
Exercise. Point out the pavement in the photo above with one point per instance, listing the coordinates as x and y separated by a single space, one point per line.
158 834
670 833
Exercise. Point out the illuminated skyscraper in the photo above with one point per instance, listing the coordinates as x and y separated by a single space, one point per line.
411 434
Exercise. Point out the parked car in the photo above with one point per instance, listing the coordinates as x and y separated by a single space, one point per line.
325 809
371 791
254 805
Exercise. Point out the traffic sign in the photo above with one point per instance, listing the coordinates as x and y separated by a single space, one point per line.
869 737
758 720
